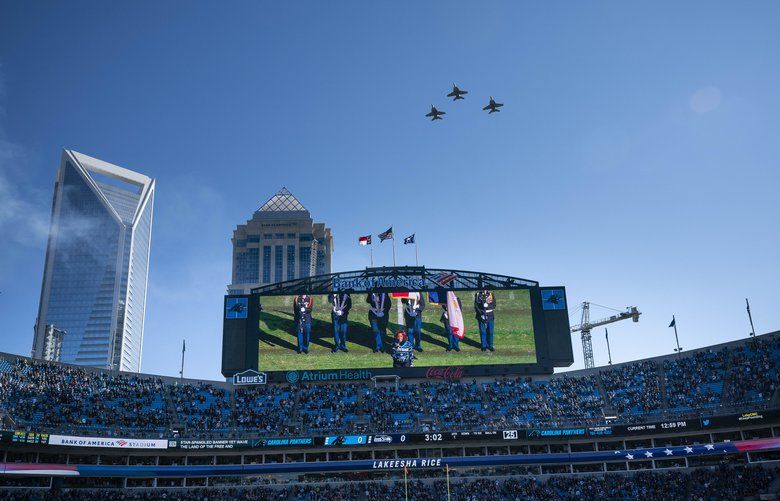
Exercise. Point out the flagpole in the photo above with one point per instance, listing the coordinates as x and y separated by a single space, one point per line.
393 237
181 372
447 467
750 316
371 248
676 338
606 333
416 255
406 485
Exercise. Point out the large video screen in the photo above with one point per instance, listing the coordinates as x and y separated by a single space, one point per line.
358 331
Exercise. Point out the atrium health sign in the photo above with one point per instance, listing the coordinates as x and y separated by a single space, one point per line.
249 377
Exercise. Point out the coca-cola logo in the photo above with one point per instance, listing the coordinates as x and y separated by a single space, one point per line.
444 372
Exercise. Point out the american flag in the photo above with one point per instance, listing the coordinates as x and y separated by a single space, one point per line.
444 278
385 235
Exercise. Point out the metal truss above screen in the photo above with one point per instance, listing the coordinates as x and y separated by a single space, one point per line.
400 278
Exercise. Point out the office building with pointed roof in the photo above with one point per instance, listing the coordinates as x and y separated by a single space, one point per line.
97 264
281 242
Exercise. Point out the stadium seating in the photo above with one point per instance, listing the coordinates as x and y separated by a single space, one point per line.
704 483
56 397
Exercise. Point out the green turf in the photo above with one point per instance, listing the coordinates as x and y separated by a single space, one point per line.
513 340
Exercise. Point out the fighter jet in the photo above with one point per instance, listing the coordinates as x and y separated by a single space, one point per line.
493 106
457 93
435 114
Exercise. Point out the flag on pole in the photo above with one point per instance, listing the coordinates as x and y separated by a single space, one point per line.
455 315
385 235
183 345
409 239
444 278
365 240
673 323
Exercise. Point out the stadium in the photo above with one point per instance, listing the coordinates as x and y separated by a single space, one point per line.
700 423
352 251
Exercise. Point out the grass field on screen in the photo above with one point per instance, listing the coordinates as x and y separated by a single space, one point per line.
513 341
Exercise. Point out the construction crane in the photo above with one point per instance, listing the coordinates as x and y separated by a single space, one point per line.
585 326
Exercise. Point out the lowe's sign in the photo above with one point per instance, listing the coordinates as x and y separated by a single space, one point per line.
250 376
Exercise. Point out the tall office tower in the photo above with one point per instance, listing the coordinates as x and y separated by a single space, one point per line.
97 263
281 242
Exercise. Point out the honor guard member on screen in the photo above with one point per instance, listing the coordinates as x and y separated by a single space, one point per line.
413 308
403 354
339 313
445 320
378 315
303 305
485 305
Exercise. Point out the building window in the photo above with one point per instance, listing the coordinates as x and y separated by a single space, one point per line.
279 264
268 236
248 266
253 238
305 237
266 264
291 235
290 262
304 262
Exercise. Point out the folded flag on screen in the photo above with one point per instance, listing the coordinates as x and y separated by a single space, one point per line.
444 278
437 297
409 239
455 315
365 240
385 235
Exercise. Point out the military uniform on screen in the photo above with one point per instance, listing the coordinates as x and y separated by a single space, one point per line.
378 316
302 306
485 306
413 308
339 315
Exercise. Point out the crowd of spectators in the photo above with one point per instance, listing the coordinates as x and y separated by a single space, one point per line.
723 482
633 388
263 409
55 397
753 374
201 407
695 381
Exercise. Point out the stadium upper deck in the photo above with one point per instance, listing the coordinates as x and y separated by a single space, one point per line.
720 379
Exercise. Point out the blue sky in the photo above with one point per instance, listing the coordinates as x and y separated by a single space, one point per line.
635 161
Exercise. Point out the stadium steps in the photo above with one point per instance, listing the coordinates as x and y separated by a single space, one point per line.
173 418
607 409
662 385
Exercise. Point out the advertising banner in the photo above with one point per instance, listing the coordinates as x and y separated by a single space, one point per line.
111 443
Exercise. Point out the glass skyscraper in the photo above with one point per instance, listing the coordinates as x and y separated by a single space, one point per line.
281 242
97 263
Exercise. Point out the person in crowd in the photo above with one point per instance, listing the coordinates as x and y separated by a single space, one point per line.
413 308
303 306
484 307
378 315
403 351
341 304
454 341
